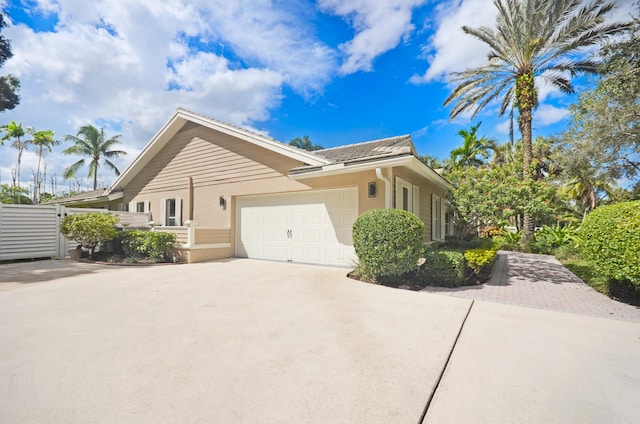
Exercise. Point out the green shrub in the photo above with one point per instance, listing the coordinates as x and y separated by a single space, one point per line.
552 237
611 240
477 259
157 246
566 252
508 240
90 229
388 242
442 268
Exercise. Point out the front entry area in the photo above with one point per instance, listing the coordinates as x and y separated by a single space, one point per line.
308 227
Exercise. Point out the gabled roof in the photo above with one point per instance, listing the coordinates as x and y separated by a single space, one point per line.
375 149
183 116
385 152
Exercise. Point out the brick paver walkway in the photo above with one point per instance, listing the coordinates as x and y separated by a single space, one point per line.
541 281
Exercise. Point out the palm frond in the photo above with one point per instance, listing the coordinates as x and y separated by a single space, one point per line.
72 170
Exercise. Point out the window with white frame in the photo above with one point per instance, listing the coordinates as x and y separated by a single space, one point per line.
407 196
139 206
170 211
437 218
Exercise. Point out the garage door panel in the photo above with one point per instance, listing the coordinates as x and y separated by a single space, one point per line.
312 227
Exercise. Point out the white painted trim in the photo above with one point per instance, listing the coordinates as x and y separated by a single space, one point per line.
204 246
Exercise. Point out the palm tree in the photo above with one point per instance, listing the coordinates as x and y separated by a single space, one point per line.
533 38
90 142
472 147
305 143
588 191
44 140
14 131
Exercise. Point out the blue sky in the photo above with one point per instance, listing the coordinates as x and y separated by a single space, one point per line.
338 71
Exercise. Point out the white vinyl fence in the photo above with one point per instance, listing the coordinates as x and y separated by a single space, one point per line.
33 231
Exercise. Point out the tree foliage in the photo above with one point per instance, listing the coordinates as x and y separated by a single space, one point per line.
9 85
92 143
305 143
605 122
474 149
13 195
532 39
497 195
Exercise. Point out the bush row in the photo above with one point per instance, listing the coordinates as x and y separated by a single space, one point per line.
611 240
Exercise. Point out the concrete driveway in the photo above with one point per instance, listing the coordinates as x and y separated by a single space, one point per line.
245 341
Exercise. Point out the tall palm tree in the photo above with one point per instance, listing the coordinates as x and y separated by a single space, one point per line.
14 131
90 142
472 147
305 143
533 38
44 141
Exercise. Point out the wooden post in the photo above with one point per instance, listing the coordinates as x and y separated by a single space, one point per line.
190 200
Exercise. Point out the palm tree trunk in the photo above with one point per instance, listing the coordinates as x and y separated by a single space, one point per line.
526 98
527 157
18 169
36 188
95 177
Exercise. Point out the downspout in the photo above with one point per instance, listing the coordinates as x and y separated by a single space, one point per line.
387 187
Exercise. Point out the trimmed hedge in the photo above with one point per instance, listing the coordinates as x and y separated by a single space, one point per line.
611 240
388 242
477 259
443 268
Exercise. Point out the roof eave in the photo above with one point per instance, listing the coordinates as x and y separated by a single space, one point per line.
179 118
409 161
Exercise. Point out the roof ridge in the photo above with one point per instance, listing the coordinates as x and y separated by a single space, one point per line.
228 124
364 142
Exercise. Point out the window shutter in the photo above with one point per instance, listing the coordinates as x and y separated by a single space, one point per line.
163 212
178 211
416 201
443 221
433 217
132 206
398 202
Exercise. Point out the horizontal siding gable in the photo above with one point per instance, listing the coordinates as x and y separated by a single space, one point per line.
211 159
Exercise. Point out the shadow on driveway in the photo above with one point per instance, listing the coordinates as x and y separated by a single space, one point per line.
26 272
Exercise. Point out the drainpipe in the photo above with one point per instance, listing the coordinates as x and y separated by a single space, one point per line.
387 187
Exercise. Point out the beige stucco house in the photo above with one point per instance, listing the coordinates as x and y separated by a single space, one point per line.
226 191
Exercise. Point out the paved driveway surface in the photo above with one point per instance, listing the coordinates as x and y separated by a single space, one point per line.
245 341
240 341
541 281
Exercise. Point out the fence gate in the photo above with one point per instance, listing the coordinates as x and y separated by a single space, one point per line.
28 231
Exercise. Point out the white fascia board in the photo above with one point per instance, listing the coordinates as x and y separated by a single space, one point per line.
327 171
410 162
418 166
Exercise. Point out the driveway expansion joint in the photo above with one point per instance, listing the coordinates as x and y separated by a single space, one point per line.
446 364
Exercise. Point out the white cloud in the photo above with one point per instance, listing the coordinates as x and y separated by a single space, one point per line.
548 114
128 64
503 127
450 49
380 26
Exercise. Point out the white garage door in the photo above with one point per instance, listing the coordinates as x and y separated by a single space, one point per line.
311 227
